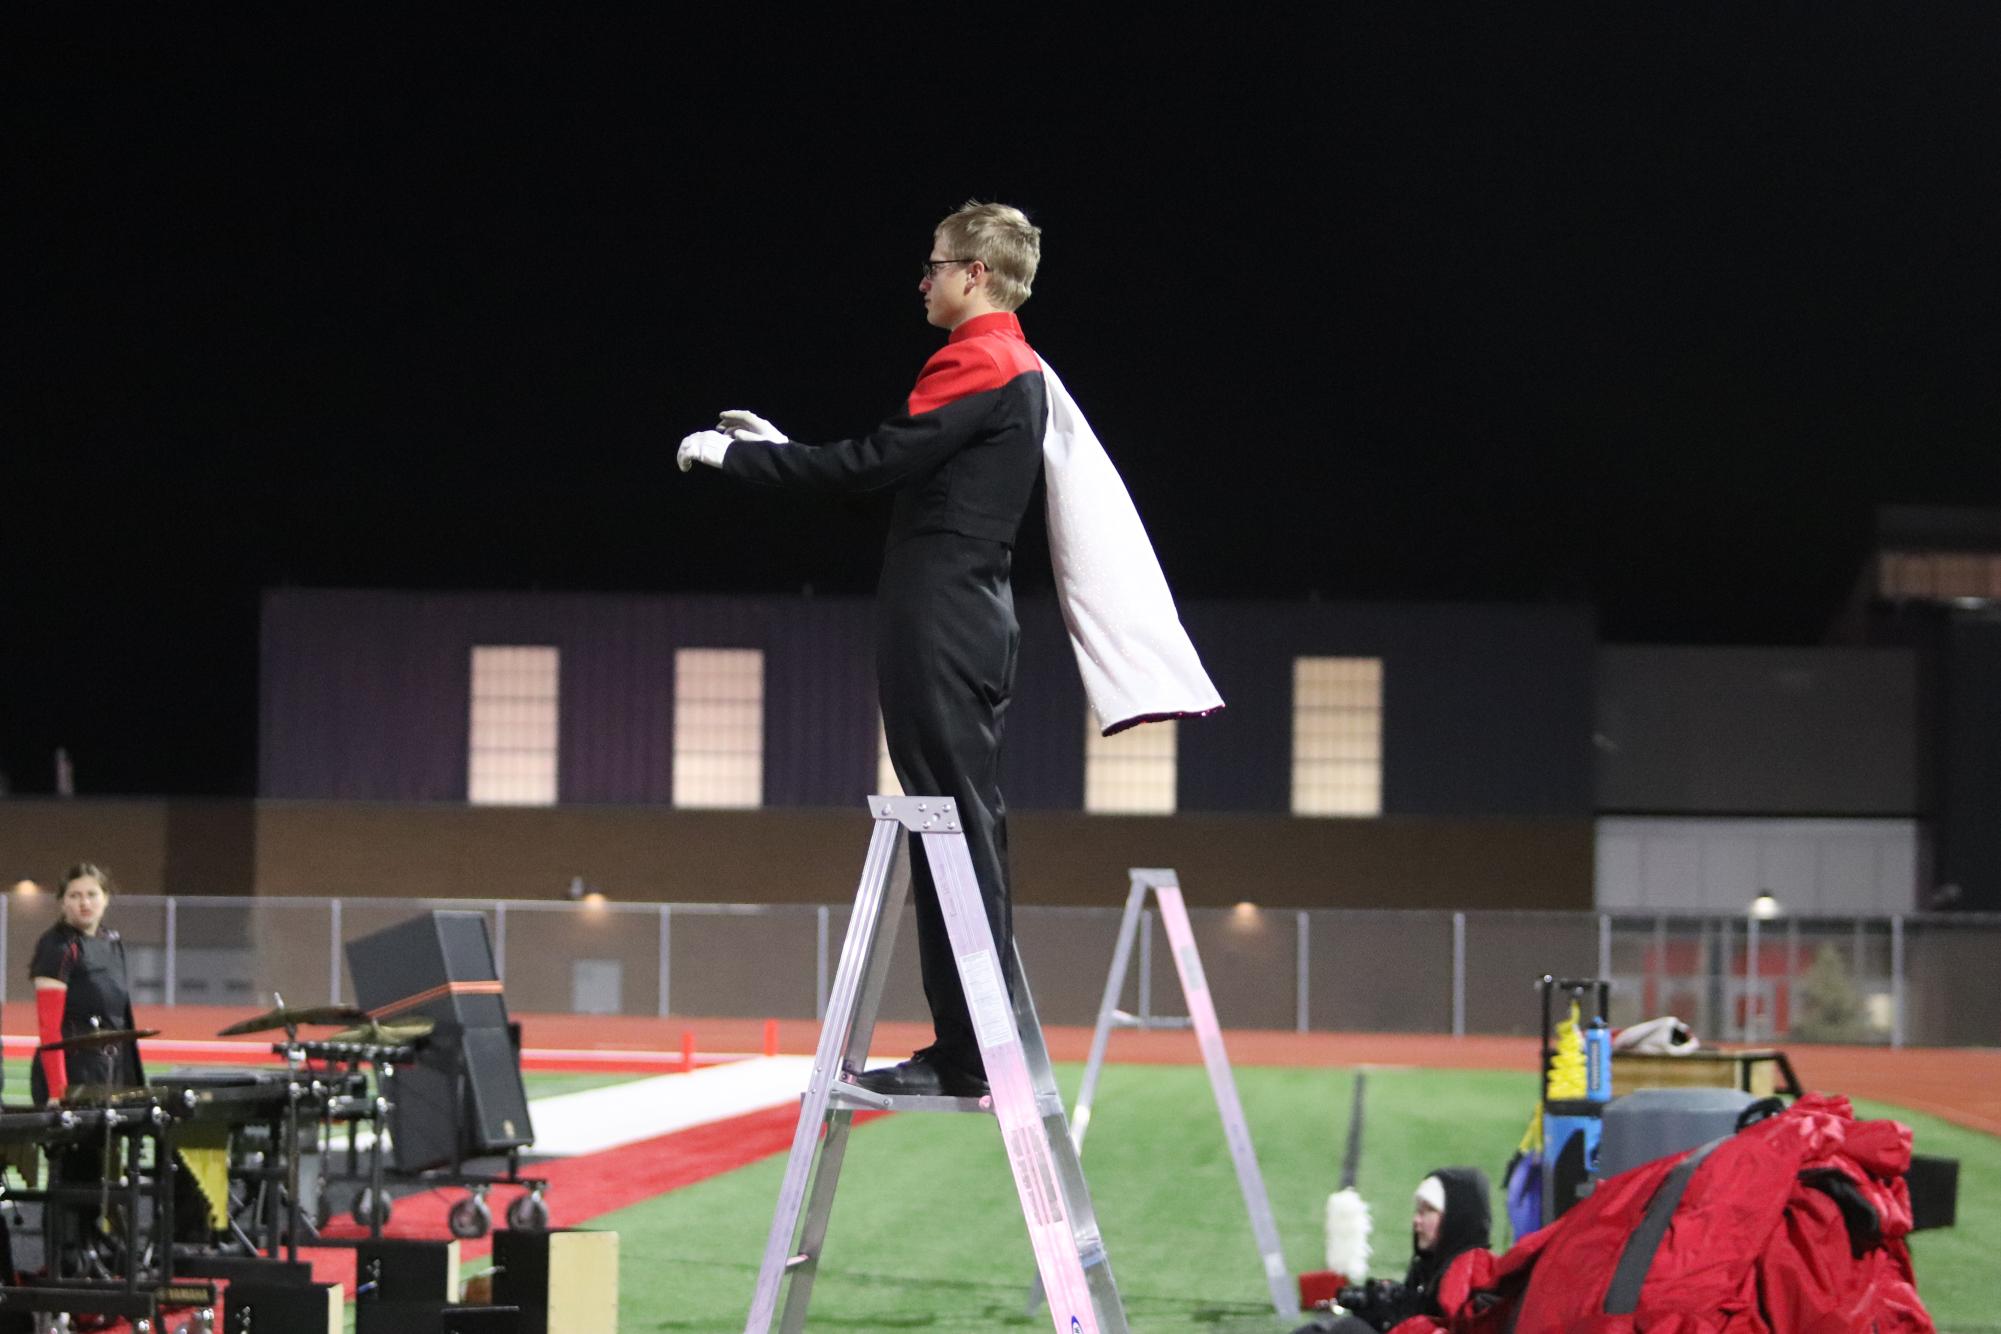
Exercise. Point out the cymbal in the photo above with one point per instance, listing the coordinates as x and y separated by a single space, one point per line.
292 1017
393 1033
101 1037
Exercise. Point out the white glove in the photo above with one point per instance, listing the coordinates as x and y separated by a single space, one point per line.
743 425
702 447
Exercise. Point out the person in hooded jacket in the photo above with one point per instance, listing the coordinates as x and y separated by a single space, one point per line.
1450 1217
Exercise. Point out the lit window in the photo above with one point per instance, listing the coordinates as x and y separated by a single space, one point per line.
1337 736
1940 576
511 755
718 727
885 772
1131 773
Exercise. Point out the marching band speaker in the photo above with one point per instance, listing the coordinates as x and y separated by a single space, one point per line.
262 1307
565 1282
463 1097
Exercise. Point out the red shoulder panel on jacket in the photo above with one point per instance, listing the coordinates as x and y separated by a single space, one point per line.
973 366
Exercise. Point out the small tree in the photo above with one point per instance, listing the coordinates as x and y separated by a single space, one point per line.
1826 1005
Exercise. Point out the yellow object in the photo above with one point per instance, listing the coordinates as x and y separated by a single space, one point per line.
204 1153
451 1272
1532 1137
24 1157
583 1282
1568 1077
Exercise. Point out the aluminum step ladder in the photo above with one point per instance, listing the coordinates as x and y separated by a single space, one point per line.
1062 1227
1165 887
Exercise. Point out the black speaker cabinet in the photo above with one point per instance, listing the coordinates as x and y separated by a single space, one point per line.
1934 1183
435 1318
463 1096
255 1270
565 1282
259 1307
480 1320
390 1270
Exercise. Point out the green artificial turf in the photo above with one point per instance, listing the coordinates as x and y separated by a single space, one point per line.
552 1084
14 1082
927 1234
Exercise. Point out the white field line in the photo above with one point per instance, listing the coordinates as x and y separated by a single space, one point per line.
604 1118
591 1120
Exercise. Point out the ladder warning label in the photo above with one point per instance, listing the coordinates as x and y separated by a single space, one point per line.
986 997
1031 1174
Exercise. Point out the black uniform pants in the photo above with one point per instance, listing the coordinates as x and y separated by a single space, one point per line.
946 645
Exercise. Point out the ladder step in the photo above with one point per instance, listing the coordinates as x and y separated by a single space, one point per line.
846 1096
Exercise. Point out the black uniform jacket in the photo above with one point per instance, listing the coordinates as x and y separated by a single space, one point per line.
98 996
963 454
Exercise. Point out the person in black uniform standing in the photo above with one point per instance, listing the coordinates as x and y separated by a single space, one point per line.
962 459
78 971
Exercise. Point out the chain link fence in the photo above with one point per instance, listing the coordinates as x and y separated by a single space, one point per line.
1917 980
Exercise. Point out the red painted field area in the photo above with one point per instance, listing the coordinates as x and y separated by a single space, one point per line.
594 1184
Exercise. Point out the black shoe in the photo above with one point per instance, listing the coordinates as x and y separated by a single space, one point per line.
920 1077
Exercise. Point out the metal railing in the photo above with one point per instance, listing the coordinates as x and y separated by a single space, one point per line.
1899 980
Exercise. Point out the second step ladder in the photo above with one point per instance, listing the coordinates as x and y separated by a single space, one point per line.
1165 887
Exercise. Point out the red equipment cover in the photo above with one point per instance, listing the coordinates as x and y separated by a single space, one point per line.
1794 1225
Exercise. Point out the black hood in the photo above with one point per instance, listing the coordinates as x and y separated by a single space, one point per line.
1466 1224
1468 1220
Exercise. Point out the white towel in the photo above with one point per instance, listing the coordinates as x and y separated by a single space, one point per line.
1136 659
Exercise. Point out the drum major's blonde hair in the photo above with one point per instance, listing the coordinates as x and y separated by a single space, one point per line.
1001 237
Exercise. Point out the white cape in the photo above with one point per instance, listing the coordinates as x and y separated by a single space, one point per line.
1136 660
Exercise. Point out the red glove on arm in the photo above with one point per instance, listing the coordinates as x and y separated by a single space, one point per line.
49 1002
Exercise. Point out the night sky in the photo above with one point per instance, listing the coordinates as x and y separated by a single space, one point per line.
1646 309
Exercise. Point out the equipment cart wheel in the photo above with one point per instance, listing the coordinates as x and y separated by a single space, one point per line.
528 1213
470 1217
367 1203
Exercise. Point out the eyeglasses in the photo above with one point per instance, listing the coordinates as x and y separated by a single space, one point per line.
931 266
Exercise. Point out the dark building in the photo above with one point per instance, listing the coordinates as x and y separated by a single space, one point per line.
716 748
1933 587
1476 711
1459 736
1727 773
